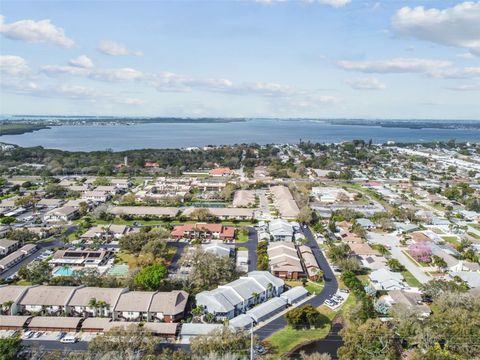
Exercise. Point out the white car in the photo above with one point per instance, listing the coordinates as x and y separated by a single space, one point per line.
69 339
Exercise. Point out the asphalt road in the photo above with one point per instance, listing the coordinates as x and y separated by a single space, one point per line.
330 288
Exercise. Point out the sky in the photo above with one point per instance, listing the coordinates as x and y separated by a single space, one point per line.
389 59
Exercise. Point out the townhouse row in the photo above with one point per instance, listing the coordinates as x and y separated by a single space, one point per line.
237 297
119 304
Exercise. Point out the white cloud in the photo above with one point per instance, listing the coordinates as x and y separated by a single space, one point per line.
35 32
70 92
456 73
108 75
82 61
13 65
368 83
111 75
113 48
55 70
398 65
458 26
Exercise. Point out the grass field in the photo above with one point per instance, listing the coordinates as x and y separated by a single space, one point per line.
287 338
410 279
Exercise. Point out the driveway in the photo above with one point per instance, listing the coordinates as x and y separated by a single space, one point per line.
330 288
251 245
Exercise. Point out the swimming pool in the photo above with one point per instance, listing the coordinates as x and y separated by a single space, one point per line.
64 271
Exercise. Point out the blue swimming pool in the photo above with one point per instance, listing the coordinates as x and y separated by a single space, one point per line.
64 271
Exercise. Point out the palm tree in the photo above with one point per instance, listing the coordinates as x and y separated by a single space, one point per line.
101 304
6 306
92 303
255 297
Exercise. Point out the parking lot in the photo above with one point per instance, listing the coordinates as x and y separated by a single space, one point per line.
335 301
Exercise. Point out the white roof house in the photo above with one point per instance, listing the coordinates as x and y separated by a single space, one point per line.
384 279
218 248
281 230
236 297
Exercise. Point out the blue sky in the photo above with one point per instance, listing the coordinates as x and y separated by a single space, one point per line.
269 58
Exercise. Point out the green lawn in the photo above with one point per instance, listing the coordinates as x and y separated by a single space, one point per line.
476 226
286 339
314 287
410 279
242 248
242 237
451 239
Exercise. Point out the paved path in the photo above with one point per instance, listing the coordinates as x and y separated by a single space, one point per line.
330 288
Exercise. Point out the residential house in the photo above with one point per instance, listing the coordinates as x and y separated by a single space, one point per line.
281 230
48 300
96 196
9 297
63 214
94 301
17 256
133 306
203 231
218 248
221 171
410 298
365 224
284 202
310 262
384 279
8 246
232 299
168 306
284 260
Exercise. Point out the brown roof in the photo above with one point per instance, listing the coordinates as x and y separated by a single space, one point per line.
11 292
47 295
135 301
82 296
13 320
419 236
362 249
58 322
170 303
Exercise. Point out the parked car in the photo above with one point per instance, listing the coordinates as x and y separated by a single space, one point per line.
69 339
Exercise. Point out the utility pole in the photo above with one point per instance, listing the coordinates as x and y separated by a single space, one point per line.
251 339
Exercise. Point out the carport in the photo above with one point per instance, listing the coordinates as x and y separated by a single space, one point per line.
13 322
48 323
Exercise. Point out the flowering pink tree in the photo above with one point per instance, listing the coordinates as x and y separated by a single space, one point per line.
420 252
